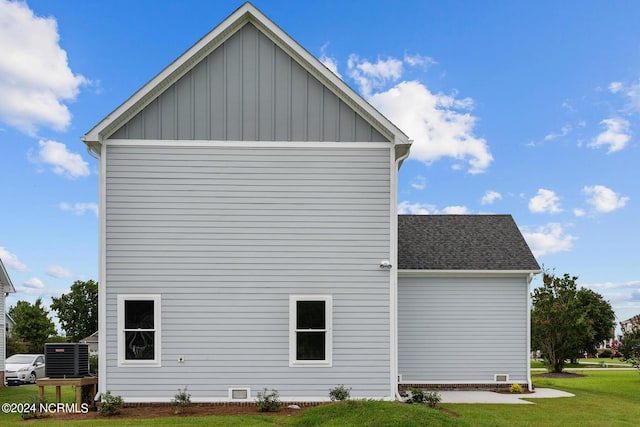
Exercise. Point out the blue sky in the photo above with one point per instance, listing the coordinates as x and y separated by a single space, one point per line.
527 108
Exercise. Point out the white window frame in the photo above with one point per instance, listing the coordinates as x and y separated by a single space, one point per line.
328 330
157 309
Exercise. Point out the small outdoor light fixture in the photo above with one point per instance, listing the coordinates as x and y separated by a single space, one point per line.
386 264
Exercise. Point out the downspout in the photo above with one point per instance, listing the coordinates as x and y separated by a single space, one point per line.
400 157
529 279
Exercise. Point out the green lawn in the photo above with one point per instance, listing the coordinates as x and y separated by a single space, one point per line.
587 363
603 397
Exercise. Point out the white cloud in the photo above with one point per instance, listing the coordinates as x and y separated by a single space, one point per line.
490 197
63 162
416 208
59 272
456 210
548 239
406 207
420 183
615 87
604 199
616 136
11 260
634 284
370 75
35 78
79 208
34 283
564 131
418 60
440 125
546 201
328 61
579 212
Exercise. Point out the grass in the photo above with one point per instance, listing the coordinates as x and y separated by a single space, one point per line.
608 397
602 397
587 363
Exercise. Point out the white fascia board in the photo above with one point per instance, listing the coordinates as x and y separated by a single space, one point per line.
5 280
189 59
463 273
246 144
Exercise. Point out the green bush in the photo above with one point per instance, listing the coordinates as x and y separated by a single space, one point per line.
32 410
515 388
181 400
93 364
605 353
421 396
269 402
340 393
110 405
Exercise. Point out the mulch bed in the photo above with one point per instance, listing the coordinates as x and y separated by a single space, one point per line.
559 375
195 410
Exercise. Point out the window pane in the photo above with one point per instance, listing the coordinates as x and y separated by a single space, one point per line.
310 315
138 314
139 345
310 346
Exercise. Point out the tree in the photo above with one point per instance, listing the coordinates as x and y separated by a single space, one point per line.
566 322
630 347
78 310
32 325
601 318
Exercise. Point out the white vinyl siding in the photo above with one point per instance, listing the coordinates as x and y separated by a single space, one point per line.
226 234
462 329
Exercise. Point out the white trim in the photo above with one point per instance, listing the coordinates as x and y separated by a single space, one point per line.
327 362
102 275
245 144
528 304
394 165
157 327
232 389
453 273
495 378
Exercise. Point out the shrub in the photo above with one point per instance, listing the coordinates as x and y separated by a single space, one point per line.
93 364
33 409
515 388
181 400
110 405
340 393
605 353
421 396
269 402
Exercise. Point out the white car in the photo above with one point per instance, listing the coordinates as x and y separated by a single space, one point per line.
23 368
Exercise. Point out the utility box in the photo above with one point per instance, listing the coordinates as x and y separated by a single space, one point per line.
66 360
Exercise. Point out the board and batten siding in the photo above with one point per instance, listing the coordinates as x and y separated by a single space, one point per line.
225 234
462 329
248 89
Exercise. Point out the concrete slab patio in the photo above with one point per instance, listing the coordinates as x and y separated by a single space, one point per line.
500 398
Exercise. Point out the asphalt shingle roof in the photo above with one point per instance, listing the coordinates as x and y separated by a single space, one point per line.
462 242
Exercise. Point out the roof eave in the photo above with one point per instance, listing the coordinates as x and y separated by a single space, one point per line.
5 280
440 273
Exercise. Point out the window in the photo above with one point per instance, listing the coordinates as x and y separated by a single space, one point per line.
138 330
310 330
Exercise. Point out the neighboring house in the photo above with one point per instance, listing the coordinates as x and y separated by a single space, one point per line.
249 240
630 324
6 287
8 324
93 342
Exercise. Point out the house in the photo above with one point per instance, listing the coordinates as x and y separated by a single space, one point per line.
249 238
630 324
8 324
93 341
6 287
